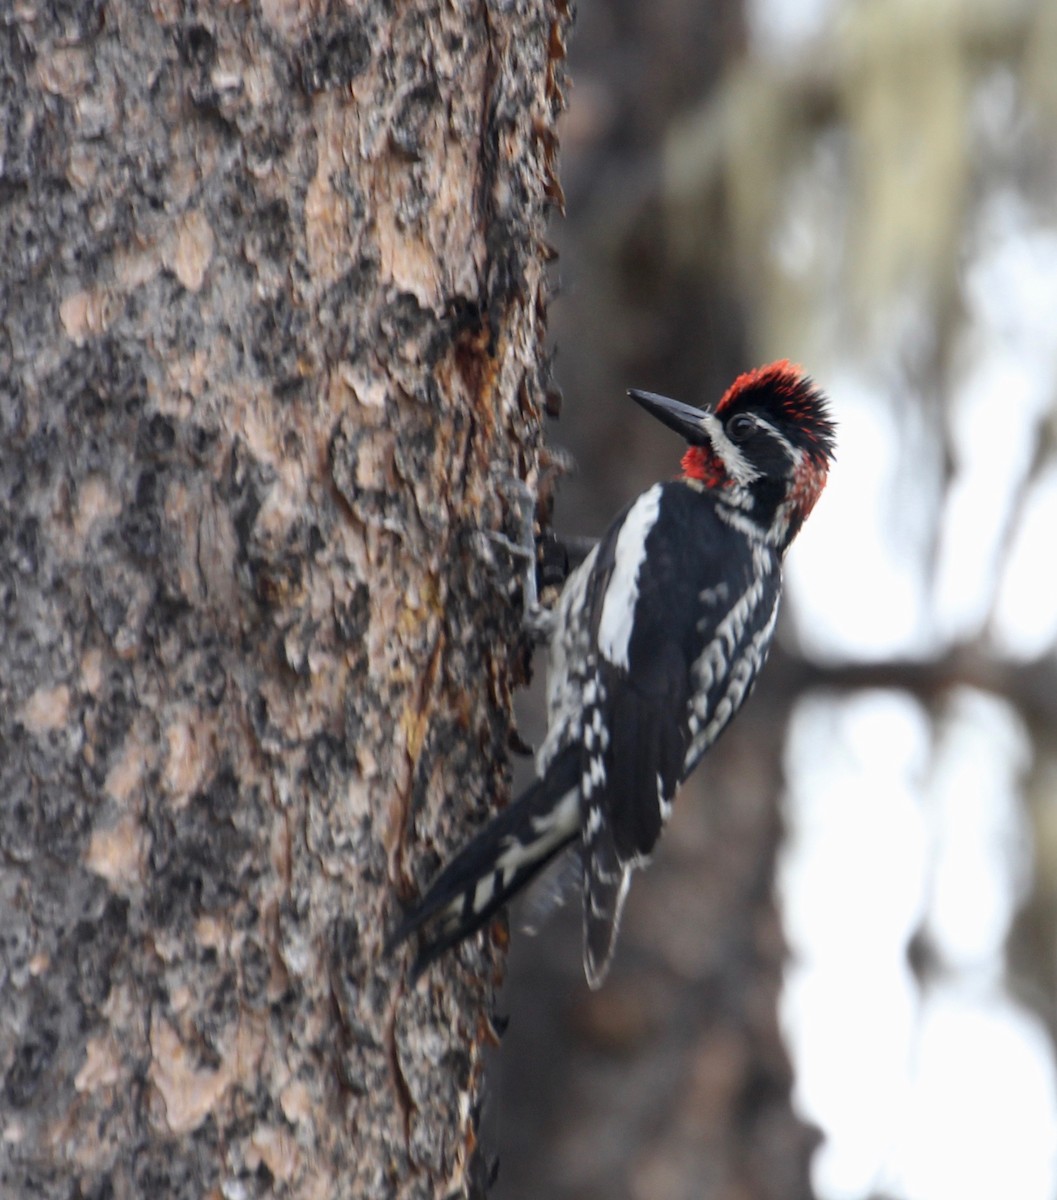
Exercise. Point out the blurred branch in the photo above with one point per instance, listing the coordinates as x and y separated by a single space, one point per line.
1030 687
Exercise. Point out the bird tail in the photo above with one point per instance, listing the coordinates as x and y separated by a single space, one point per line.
606 881
510 851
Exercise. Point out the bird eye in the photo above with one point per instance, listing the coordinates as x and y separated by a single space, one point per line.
740 427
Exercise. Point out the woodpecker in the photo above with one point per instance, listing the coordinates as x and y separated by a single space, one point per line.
655 643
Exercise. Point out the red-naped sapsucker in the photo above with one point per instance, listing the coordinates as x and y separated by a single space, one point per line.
655 643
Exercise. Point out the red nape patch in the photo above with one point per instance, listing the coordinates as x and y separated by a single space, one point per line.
808 483
703 463
783 377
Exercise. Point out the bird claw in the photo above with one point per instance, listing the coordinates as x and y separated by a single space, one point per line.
538 619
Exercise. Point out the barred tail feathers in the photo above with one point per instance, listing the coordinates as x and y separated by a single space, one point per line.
606 881
510 851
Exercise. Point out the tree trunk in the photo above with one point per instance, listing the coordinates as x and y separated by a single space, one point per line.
273 304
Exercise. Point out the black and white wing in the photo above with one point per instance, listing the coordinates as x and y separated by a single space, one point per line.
659 685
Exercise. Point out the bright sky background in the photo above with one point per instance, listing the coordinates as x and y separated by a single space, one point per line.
902 821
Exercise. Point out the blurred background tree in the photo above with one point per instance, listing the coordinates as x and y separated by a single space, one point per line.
868 189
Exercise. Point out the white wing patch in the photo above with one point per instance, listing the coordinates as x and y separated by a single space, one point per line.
618 607
663 802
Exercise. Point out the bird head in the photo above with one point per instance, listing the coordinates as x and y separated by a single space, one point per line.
764 449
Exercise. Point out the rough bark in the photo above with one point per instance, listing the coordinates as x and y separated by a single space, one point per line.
273 302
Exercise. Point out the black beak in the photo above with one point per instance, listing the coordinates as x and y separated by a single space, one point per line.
683 418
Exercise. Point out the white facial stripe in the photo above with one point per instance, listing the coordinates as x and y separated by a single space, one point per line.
738 467
795 456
